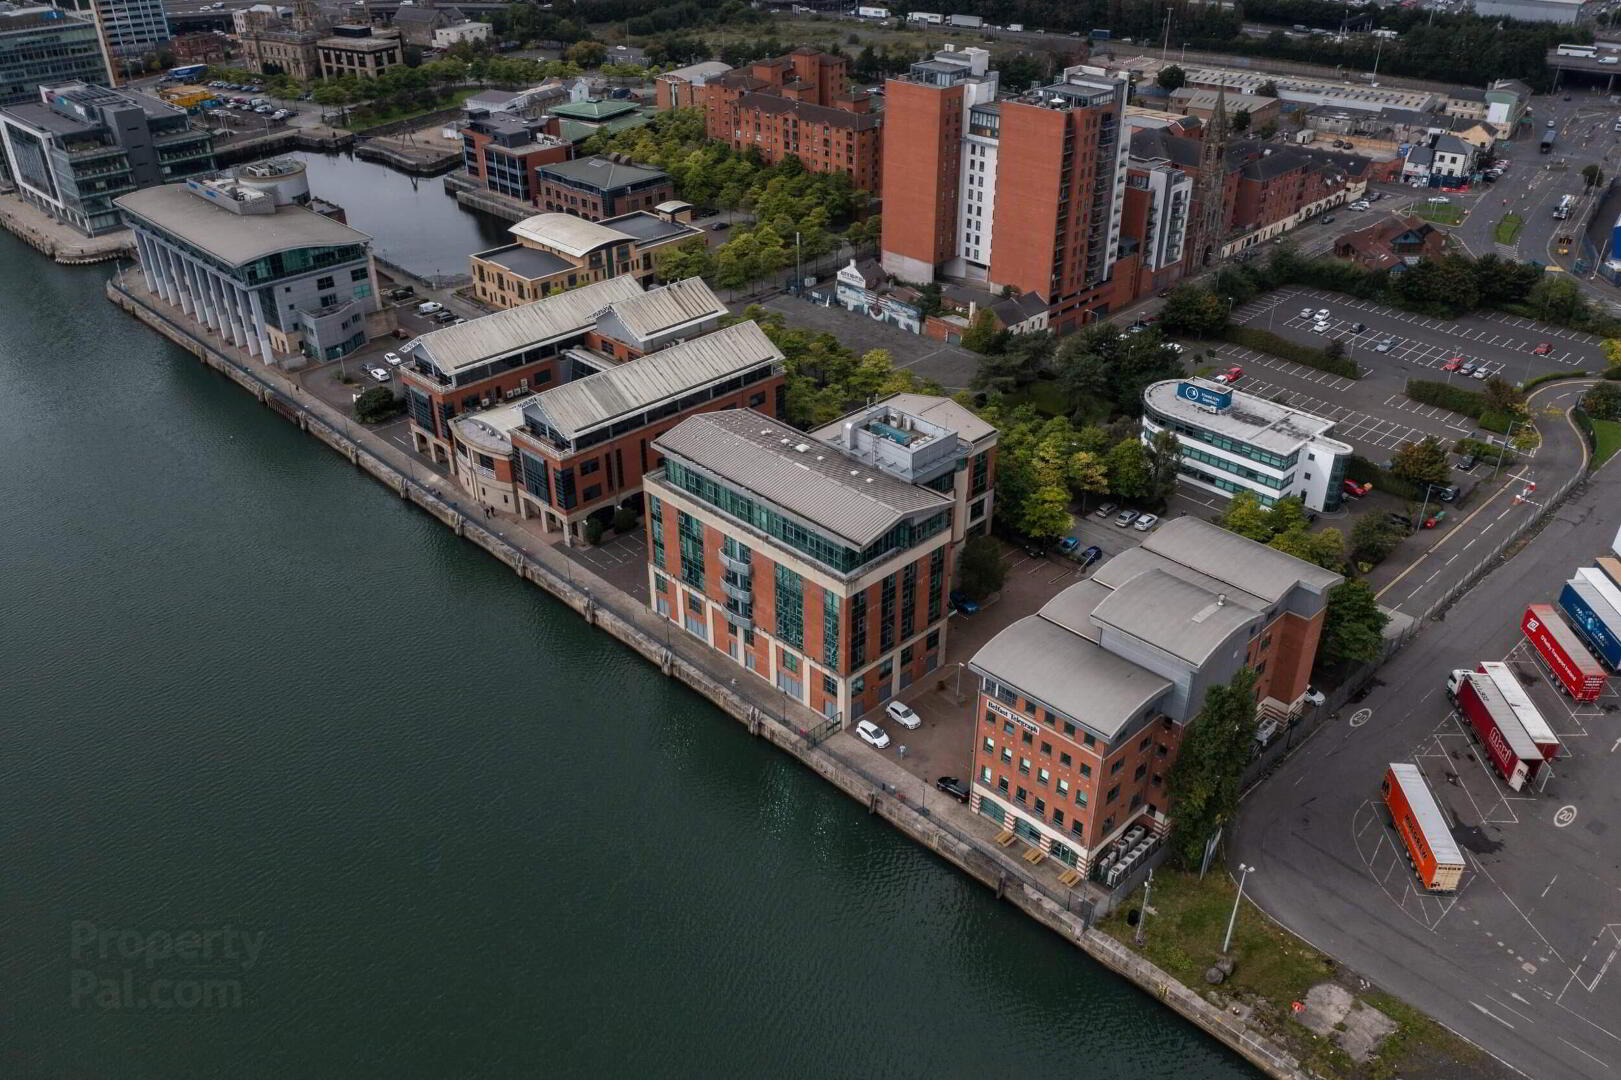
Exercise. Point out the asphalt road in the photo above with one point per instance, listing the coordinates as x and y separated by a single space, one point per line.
1520 960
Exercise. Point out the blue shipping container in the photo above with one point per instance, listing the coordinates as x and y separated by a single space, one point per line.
1601 631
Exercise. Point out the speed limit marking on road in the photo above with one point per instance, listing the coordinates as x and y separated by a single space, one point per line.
1564 816
1360 717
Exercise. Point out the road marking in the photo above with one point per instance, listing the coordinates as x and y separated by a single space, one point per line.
1582 1052
1563 816
1360 717
1494 1016
1550 885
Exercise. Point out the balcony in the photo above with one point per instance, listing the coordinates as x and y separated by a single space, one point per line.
740 593
741 569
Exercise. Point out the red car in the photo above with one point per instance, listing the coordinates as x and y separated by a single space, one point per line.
1231 375
1354 489
1542 350
1453 365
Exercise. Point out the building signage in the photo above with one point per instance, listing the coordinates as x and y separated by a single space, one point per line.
1205 396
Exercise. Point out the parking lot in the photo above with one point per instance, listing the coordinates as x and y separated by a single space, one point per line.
1500 344
1535 905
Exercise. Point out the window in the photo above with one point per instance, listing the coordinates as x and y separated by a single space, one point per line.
1089 740
1043 777
1007 755
589 467
1001 784
990 745
1080 796
358 275
1063 789
1114 769
1138 775
1007 727
1024 766
325 283
1058 818
1020 795
990 718
1114 793
1086 770
1029 739
1065 759
984 774
1069 729
1041 807
1047 748
790 607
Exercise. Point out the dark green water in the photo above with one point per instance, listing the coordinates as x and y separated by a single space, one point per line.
243 687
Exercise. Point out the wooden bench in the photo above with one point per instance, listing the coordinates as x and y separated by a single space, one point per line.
1069 877
1004 838
1035 856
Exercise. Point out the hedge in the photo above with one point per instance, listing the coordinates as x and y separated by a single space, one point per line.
1363 471
1555 376
1428 392
1267 342
1485 451
1496 421
1613 374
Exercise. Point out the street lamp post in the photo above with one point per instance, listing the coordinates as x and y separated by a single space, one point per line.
1502 449
1243 872
1142 917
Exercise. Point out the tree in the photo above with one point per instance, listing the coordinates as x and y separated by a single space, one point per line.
1241 121
1503 396
377 405
1087 473
1203 785
1267 89
1334 351
981 336
625 519
1603 402
980 569
587 53
1374 538
1353 625
1247 517
1045 514
1172 78
1129 474
1164 456
1557 299
1592 175
1194 312
1423 462
1325 548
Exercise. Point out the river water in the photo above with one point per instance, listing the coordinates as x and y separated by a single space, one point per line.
296 784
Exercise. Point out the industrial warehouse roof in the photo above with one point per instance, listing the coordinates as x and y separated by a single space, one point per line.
1173 614
477 340
1225 556
235 239
576 407
812 480
1045 661
667 307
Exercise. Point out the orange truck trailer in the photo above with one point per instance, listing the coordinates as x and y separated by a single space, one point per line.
1423 828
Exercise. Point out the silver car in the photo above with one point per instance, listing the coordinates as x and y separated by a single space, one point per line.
1125 518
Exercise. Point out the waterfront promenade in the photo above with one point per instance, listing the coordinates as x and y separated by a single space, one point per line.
946 828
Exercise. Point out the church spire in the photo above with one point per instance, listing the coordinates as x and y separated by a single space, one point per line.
1210 189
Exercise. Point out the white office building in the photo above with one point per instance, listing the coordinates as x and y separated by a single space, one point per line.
1233 441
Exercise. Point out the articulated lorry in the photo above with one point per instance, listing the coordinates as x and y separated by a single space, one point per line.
1525 710
1592 617
1510 750
1567 659
1423 828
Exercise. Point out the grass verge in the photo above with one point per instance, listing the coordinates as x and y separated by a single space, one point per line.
1440 213
1273 969
1507 229
1606 440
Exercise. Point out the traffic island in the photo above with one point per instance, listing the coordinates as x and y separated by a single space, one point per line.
1335 1023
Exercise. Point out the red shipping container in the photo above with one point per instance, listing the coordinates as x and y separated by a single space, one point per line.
1573 667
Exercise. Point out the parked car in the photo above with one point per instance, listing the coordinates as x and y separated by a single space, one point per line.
1357 328
872 734
1468 368
962 603
429 307
1354 489
1543 349
953 787
1467 462
1385 344
393 359
1068 544
1125 518
903 715
1319 327
1306 313
1323 313
720 226
1399 519
444 317
1231 375
1089 556
1106 509
1455 364
1314 696
1145 522
1480 373
1033 549
379 374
